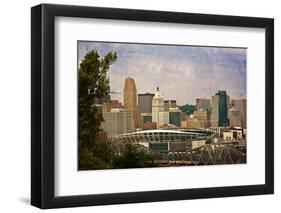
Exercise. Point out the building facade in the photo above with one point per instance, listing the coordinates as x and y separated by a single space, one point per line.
117 122
203 116
175 116
241 105
163 119
130 99
145 103
220 105
235 118
203 103
145 118
110 104
157 106
169 104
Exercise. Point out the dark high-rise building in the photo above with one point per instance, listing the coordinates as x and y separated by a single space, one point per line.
220 109
145 103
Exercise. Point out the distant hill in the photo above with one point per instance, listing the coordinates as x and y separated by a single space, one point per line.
187 109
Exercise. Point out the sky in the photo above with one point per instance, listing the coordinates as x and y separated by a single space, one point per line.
182 73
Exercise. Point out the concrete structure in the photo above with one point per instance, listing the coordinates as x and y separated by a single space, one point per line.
163 119
220 105
203 116
169 104
145 103
157 106
117 122
110 104
130 99
203 103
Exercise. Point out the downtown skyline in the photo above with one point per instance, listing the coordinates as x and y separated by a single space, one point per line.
197 72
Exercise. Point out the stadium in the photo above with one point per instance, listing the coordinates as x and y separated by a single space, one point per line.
166 140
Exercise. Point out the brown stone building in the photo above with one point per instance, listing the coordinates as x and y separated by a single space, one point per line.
130 99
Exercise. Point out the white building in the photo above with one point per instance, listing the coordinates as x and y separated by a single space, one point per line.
157 106
163 119
228 136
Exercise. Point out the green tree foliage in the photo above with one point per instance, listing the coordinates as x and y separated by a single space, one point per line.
133 158
93 84
188 109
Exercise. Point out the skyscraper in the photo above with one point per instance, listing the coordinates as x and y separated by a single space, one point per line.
215 111
241 105
234 117
220 104
145 103
157 106
130 99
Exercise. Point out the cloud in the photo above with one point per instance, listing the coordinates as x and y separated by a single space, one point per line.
182 72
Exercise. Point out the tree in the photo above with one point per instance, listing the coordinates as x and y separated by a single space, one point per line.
188 109
93 84
133 158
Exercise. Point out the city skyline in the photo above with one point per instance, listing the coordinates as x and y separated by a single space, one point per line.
198 71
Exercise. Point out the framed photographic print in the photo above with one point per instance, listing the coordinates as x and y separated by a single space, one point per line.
139 106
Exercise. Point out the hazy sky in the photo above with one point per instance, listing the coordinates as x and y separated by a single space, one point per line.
182 73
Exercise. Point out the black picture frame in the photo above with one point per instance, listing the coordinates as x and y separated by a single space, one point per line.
43 105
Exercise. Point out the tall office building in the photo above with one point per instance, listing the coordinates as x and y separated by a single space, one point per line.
145 102
215 111
220 104
203 103
157 106
130 99
116 122
169 104
241 105
235 117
